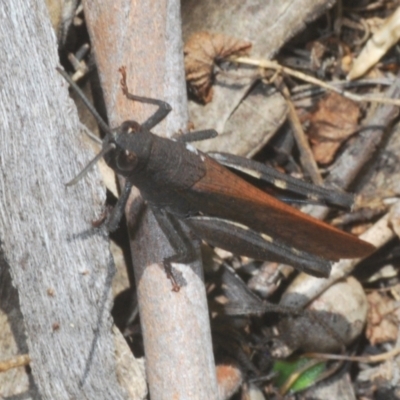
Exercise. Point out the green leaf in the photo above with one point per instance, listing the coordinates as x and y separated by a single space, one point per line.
285 369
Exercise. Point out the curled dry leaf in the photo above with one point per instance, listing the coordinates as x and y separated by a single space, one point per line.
376 47
335 119
201 51
383 318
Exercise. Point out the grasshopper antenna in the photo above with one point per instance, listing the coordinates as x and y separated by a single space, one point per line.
87 103
99 120
88 167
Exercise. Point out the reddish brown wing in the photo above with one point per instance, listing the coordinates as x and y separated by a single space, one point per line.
223 194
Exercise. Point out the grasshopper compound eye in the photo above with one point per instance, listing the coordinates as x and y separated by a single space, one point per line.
126 161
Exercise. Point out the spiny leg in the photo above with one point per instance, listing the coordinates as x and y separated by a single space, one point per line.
118 210
179 241
163 107
241 239
112 215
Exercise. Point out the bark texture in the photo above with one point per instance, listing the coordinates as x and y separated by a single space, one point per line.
60 266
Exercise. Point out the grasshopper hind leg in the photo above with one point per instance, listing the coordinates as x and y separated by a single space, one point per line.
180 242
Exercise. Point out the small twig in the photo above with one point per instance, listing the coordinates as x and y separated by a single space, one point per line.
362 25
79 64
365 359
338 18
90 134
299 75
370 7
308 90
15 362
306 156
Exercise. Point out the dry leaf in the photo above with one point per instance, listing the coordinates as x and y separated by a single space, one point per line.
332 123
377 46
201 51
317 52
382 321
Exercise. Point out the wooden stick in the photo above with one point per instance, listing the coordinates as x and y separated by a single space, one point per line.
17 361
176 330
306 156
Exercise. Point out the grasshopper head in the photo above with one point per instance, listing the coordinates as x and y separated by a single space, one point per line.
124 148
130 147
